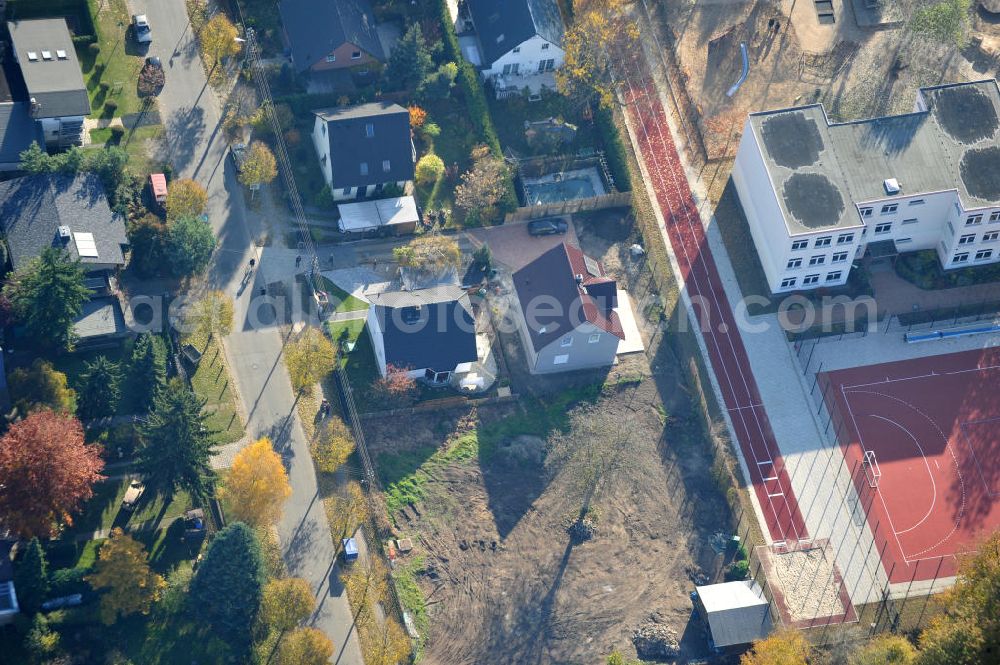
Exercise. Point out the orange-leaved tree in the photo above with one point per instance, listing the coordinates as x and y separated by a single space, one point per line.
47 472
123 574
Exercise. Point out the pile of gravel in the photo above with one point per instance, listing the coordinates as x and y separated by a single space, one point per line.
655 640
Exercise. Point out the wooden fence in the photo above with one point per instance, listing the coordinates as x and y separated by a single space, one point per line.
614 200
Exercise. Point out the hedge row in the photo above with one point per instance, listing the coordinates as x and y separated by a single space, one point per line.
614 149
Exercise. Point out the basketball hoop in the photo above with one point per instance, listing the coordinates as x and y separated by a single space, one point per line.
872 472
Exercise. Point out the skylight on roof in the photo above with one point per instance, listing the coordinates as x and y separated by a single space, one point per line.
61 54
85 245
32 56
46 55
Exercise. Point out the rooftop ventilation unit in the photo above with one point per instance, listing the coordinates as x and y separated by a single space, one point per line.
61 54
64 232
32 56
46 55
891 186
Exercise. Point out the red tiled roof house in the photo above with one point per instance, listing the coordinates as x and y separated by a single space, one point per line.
565 312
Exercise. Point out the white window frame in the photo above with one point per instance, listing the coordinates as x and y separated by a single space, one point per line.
561 359
386 165
798 245
787 283
992 236
794 263
332 57
594 338
370 130
983 255
995 217
845 238
883 228
911 220
347 191
817 260
839 257
961 257
967 239
809 280
834 276
545 46
355 55
866 211
823 241
889 208
974 220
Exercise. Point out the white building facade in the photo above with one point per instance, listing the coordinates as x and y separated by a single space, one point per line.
819 196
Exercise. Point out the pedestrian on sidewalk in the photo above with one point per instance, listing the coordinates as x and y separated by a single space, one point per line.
298 261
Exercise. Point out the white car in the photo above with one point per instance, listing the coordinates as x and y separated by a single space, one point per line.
140 26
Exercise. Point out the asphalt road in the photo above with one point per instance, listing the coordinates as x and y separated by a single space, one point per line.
196 146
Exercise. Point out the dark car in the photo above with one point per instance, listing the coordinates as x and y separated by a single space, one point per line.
238 151
547 227
154 62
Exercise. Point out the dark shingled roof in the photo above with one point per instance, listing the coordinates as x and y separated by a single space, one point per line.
553 276
56 84
350 145
503 24
316 28
34 207
17 128
427 329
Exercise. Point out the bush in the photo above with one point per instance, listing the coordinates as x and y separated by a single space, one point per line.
67 581
429 168
94 48
110 106
738 570
614 149
117 133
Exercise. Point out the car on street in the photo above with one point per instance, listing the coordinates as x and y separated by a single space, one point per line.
548 227
140 29
239 154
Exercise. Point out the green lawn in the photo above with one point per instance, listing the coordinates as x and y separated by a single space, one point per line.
359 363
73 365
305 164
345 301
136 144
212 384
509 116
103 511
111 74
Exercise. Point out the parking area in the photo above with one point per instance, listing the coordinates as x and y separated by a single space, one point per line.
514 247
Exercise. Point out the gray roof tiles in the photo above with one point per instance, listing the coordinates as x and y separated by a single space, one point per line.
56 84
504 24
33 208
359 157
954 145
316 28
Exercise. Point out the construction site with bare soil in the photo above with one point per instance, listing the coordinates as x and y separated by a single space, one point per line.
859 58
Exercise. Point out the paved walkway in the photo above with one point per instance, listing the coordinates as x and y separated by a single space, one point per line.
897 296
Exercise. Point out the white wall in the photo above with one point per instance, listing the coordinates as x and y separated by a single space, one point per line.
529 54
378 342
322 144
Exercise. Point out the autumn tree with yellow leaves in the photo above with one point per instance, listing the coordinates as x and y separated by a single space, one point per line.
218 40
785 647
309 358
345 511
211 314
602 34
333 446
304 646
387 644
122 573
256 485
286 603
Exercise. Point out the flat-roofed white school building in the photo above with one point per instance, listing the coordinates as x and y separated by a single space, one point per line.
818 195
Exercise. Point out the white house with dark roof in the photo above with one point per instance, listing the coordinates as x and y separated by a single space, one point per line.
520 42
331 34
428 333
566 312
57 96
819 195
364 148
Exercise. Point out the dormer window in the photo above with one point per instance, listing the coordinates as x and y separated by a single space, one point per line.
364 168
356 55
332 57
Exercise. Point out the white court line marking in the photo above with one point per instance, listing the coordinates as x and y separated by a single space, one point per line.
685 197
777 494
922 376
929 474
958 472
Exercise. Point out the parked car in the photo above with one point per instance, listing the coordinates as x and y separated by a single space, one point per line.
132 495
158 188
350 550
239 153
140 29
547 227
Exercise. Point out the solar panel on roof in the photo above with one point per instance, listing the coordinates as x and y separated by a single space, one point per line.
85 245
592 267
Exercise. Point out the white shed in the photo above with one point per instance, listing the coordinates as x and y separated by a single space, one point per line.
737 613
399 214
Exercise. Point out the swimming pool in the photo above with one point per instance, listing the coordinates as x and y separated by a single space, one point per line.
568 186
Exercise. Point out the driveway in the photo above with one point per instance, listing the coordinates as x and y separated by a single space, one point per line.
196 147
513 246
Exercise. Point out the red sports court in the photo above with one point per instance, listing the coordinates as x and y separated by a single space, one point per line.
920 437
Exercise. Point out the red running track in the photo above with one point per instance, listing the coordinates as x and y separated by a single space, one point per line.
725 346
